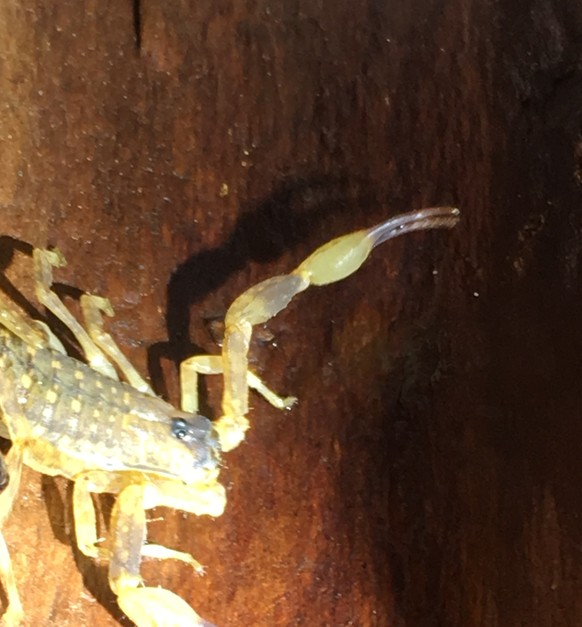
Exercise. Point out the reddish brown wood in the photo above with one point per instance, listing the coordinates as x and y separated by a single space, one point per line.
177 152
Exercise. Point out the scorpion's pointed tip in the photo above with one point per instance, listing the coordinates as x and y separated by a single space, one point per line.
454 214
441 217
445 210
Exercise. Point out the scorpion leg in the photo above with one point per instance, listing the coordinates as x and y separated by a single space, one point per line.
331 262
128 540
86 520
13 466
86 531
44 261
157 551
212 364
146 606
93 307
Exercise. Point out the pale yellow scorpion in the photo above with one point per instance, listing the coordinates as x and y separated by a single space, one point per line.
77 420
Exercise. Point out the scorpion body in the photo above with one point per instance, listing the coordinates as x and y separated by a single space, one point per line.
78 420
75 420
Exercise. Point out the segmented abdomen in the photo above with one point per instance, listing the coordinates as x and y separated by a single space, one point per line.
96 422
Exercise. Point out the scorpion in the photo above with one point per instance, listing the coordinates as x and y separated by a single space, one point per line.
79 420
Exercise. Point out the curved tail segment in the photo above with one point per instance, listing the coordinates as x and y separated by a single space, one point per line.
342 256
331 262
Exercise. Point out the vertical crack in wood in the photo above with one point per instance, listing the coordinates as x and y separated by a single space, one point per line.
136 10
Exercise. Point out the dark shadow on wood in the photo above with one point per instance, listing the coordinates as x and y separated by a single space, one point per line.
262 234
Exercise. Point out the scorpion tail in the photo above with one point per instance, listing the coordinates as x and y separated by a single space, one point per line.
344 255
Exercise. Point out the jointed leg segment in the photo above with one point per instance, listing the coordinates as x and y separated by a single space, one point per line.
86 532
44 260
96 343
212 364
93 307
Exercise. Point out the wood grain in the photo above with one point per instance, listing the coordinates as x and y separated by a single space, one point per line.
179 152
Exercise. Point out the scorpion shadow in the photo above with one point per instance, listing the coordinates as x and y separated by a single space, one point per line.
263 232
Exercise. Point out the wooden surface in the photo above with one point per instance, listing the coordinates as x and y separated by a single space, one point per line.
179 152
